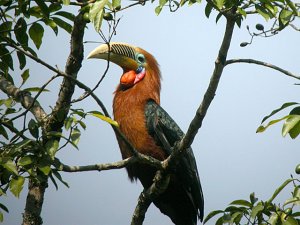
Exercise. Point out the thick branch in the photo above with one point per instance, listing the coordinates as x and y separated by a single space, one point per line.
211 90
73 66
115 165
160 184
98 167
261 63
55 122
24 98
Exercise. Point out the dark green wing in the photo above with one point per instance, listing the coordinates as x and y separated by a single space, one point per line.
166 132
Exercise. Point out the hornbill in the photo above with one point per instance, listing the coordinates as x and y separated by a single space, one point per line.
151 131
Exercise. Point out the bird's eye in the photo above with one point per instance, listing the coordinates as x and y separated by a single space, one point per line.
140 58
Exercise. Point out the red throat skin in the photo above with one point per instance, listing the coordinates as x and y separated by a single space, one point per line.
130 78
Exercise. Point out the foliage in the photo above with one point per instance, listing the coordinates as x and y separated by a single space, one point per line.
253 211
291 125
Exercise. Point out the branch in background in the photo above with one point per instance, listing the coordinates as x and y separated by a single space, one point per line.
209 95
115 165
35 197
24 98
36 59
160 184
98 167
261 63
72 67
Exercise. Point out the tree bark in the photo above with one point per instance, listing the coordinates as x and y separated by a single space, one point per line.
36 192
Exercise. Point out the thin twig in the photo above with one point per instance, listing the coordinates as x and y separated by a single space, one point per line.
261 63
98 167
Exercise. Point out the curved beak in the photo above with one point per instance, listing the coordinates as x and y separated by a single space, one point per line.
118 53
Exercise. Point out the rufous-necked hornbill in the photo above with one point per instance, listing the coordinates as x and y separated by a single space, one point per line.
148 127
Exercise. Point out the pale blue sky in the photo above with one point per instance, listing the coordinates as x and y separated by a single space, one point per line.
232 159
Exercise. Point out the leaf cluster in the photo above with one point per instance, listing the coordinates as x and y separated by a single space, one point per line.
255 211
291 123
22 21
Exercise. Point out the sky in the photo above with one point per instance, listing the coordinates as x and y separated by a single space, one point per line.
233 160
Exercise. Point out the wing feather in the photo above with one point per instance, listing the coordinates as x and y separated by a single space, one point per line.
166 132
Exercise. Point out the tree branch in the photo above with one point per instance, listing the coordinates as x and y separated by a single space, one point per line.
261 63
24 98
160 184
196 123
115 165
97 167
55 122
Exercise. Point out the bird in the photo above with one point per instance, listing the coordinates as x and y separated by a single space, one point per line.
151 131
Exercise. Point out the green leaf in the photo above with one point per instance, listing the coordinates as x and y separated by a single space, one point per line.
5 28
3 207
116 3
219 3
253 199
1 217
262 11
53 181
158 10
25 76
68 122
24 161
62 24
35 89
279 189
44 8
10 166
242 12
16 186
241 202
263 128
211 215
79 112
288 220
20 31
104 118
220 221
290 123
208 9
33 128
75 136
218 17
3 132
52 147
96 13
52 24
67 15
292 7
294 200
294 132
54 7
36 33
256 209
22 60
6 57
45 169
66 2
296 192
273 219
236 218
284 18
22 144
285 105
58 176
82 124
